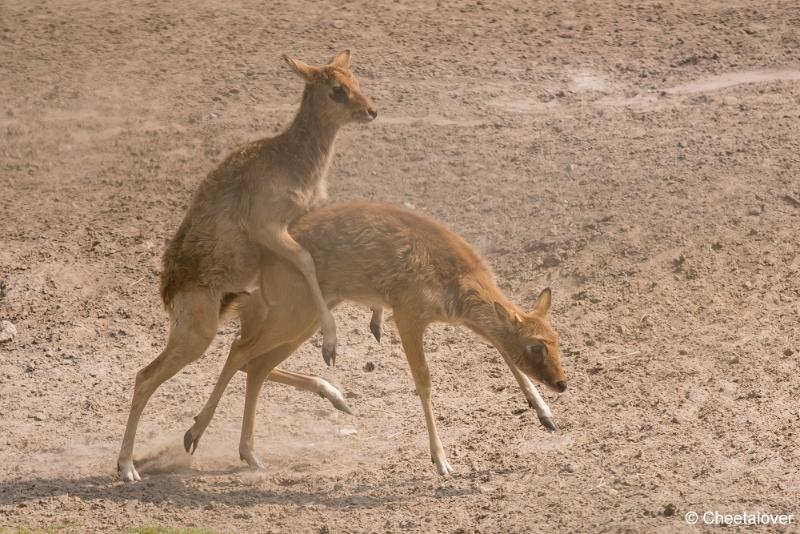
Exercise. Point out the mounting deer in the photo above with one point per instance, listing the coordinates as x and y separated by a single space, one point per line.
240 211
385 257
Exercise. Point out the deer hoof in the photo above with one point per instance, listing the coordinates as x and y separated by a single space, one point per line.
329 355
190 442
443 467
128 472
336 398
375 328
548 423
252 460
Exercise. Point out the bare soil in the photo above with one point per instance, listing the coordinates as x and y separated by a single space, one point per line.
640 159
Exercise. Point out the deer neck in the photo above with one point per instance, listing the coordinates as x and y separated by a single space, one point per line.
478 313
310 140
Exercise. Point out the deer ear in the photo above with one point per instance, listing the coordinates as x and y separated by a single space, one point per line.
342 59
503 314
301 69
542 302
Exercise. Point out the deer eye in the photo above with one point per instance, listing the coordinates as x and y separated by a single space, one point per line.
339 94
538 353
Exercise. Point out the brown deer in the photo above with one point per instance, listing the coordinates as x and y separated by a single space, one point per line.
241 210
385 257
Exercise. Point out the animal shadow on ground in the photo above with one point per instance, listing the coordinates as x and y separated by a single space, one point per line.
233 492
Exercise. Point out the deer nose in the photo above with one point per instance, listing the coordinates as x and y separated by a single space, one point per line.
561 386
372 112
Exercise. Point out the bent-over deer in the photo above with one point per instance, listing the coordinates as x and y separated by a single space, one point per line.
385 257
242 209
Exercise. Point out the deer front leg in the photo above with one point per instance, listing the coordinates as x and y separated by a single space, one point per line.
314 384
535 399
277 239
411 337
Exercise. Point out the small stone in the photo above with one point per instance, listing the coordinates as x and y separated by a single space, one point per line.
7 331
38 417
669 510
788 352
369 367
338 24
570 468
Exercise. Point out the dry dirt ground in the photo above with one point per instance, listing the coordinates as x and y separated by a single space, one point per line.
641 159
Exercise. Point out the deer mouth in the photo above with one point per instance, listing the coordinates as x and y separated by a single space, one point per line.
558 385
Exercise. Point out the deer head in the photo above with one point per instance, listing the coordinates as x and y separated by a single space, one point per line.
334 90
532 344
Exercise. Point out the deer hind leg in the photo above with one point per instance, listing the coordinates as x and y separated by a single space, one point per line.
259 369
411 331
376 323
277 239
293 306
281 326
253 313
535 399
193 325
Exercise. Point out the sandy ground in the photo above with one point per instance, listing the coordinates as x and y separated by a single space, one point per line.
642 160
